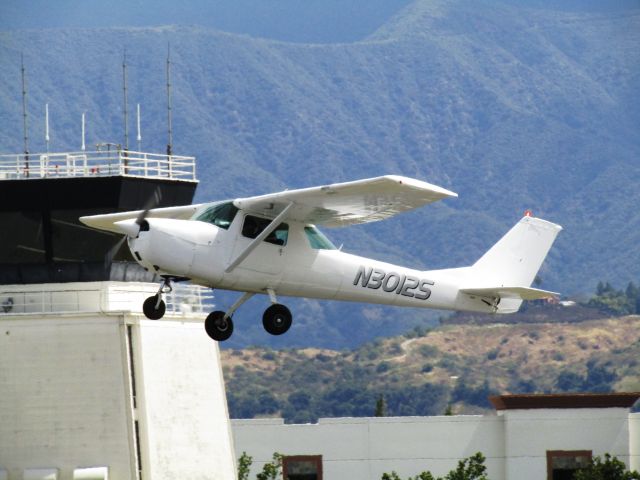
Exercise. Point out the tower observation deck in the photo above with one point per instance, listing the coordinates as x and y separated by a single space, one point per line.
43 195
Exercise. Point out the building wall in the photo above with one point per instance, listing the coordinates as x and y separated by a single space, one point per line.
365 448
515 442
634 441
182 402
63 401
66 397
530 433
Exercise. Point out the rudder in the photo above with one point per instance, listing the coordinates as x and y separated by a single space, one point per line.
516 258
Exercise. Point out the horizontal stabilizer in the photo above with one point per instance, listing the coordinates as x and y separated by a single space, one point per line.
521 293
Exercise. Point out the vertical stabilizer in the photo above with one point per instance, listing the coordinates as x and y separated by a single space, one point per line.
515 260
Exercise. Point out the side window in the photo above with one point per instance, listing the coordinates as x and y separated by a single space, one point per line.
253 226
317 240
220 215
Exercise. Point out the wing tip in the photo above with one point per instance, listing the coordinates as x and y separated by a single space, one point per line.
422 185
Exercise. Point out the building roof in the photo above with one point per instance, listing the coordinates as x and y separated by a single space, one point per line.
564 400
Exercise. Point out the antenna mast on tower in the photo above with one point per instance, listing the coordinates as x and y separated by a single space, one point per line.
139 137
169 140
24 117
124 88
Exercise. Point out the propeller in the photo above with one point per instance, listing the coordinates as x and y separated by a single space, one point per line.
153 201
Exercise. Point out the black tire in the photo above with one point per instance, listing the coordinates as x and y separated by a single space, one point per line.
217 327
149 308
277 319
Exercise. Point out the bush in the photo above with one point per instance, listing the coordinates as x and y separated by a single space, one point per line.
471 468
608 469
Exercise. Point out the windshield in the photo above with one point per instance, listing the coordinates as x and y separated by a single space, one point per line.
221 215
317 240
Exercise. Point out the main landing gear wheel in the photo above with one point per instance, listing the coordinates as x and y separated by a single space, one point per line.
152 309
276 319
218 327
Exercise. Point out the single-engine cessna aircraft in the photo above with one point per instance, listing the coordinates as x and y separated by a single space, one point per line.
270 245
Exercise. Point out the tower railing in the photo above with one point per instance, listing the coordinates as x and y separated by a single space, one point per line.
100 297
99 163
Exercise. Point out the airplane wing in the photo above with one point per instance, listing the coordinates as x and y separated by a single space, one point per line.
521 293
348 203
107 221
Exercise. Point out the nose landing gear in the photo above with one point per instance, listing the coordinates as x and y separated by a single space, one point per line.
154 307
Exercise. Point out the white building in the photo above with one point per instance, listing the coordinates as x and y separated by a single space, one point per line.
533 437
91 389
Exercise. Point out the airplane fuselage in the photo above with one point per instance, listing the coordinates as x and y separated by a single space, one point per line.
297 267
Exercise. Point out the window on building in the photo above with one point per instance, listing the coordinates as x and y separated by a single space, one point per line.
221 215
253 226
302 467
562 464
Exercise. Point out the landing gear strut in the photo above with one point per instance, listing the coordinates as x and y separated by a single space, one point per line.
276 319
154 307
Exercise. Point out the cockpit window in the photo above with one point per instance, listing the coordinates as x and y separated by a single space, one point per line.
317 240
221 215
254 226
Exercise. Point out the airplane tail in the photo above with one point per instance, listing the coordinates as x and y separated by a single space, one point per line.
503 275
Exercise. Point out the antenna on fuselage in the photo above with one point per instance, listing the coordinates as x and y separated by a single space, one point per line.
24 117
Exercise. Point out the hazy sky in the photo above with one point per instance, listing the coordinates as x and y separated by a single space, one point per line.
289 20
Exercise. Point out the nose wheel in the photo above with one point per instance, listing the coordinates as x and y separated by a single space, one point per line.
276 319
154 307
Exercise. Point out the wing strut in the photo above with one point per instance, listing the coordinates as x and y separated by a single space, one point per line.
256 241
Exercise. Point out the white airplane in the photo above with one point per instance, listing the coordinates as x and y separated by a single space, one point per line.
269 244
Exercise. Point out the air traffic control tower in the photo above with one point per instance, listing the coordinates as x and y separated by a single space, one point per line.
90 388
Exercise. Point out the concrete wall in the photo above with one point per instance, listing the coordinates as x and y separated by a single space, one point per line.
530 433
365 448
634 441
515 442
63 401
182 405
66 398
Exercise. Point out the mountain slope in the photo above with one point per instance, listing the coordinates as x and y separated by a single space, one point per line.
511 107
419 374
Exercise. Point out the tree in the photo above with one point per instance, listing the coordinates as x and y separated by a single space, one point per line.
244 466
609 469
272 470
381 407
471 468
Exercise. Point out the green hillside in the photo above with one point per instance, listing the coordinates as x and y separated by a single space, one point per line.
423 372
511 107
